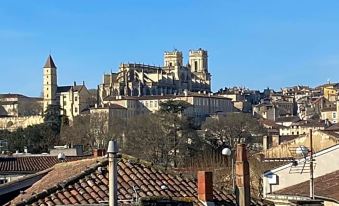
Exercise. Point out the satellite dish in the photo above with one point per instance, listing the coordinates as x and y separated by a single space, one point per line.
302 150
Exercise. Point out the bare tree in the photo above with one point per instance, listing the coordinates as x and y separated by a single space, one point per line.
78 132
231 129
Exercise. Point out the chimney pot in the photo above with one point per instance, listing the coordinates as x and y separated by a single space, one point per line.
205 186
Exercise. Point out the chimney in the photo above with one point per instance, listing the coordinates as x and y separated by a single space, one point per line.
265 142
242 192
74 83
275 140
205 186
99 152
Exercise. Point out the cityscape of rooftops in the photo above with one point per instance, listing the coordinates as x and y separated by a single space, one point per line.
169 103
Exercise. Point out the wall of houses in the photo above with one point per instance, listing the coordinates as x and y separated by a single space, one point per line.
297 130
321 140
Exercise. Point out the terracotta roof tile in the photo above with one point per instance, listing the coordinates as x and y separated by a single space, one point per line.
325 186
30 164
91 185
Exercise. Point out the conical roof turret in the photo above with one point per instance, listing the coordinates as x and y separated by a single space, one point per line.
49 62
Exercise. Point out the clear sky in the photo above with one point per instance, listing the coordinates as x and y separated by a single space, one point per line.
253 43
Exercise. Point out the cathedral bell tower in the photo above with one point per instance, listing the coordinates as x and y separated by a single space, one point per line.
49 83
198 59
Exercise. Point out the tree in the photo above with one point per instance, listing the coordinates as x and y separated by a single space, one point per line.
106 125
78 132
53 119
145 139
173 106
231 129
178 129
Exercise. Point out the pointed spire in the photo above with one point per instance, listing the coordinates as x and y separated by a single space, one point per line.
49 62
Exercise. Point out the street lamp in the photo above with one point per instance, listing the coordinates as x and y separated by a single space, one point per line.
112 152
230 153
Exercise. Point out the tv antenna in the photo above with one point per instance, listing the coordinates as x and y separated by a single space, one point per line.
302 161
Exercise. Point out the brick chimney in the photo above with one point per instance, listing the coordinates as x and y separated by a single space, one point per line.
99 152
205 186
242 173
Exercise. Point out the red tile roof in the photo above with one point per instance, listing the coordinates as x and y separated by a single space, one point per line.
326 186
90 186
30 164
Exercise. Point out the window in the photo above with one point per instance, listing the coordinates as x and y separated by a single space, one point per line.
334 115
195 65
76 109
75 98
65 103
151 103
170 64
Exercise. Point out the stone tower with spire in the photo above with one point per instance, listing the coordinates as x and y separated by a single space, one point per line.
50 83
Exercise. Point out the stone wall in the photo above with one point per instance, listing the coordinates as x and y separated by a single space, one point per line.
13 123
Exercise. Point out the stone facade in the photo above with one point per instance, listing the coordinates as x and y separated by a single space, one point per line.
13 123
172 78
17 105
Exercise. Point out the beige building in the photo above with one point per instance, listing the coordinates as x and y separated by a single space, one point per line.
202 105
302 127
71 99
17 105
276 181
19 111
172 78
329 114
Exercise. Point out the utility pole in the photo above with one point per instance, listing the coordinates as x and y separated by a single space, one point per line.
311 167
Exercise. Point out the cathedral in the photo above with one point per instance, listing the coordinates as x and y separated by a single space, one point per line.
172 78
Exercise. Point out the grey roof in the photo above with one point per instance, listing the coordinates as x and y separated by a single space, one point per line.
49 62
64 89
77 88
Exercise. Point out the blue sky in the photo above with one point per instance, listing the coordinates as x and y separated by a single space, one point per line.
250 43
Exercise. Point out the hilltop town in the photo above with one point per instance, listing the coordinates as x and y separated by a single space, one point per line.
168 116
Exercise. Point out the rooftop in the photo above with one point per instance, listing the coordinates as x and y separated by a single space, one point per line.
324 186
86 182
30 164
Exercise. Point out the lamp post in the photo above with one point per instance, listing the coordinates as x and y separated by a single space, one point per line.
230 153
112 152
